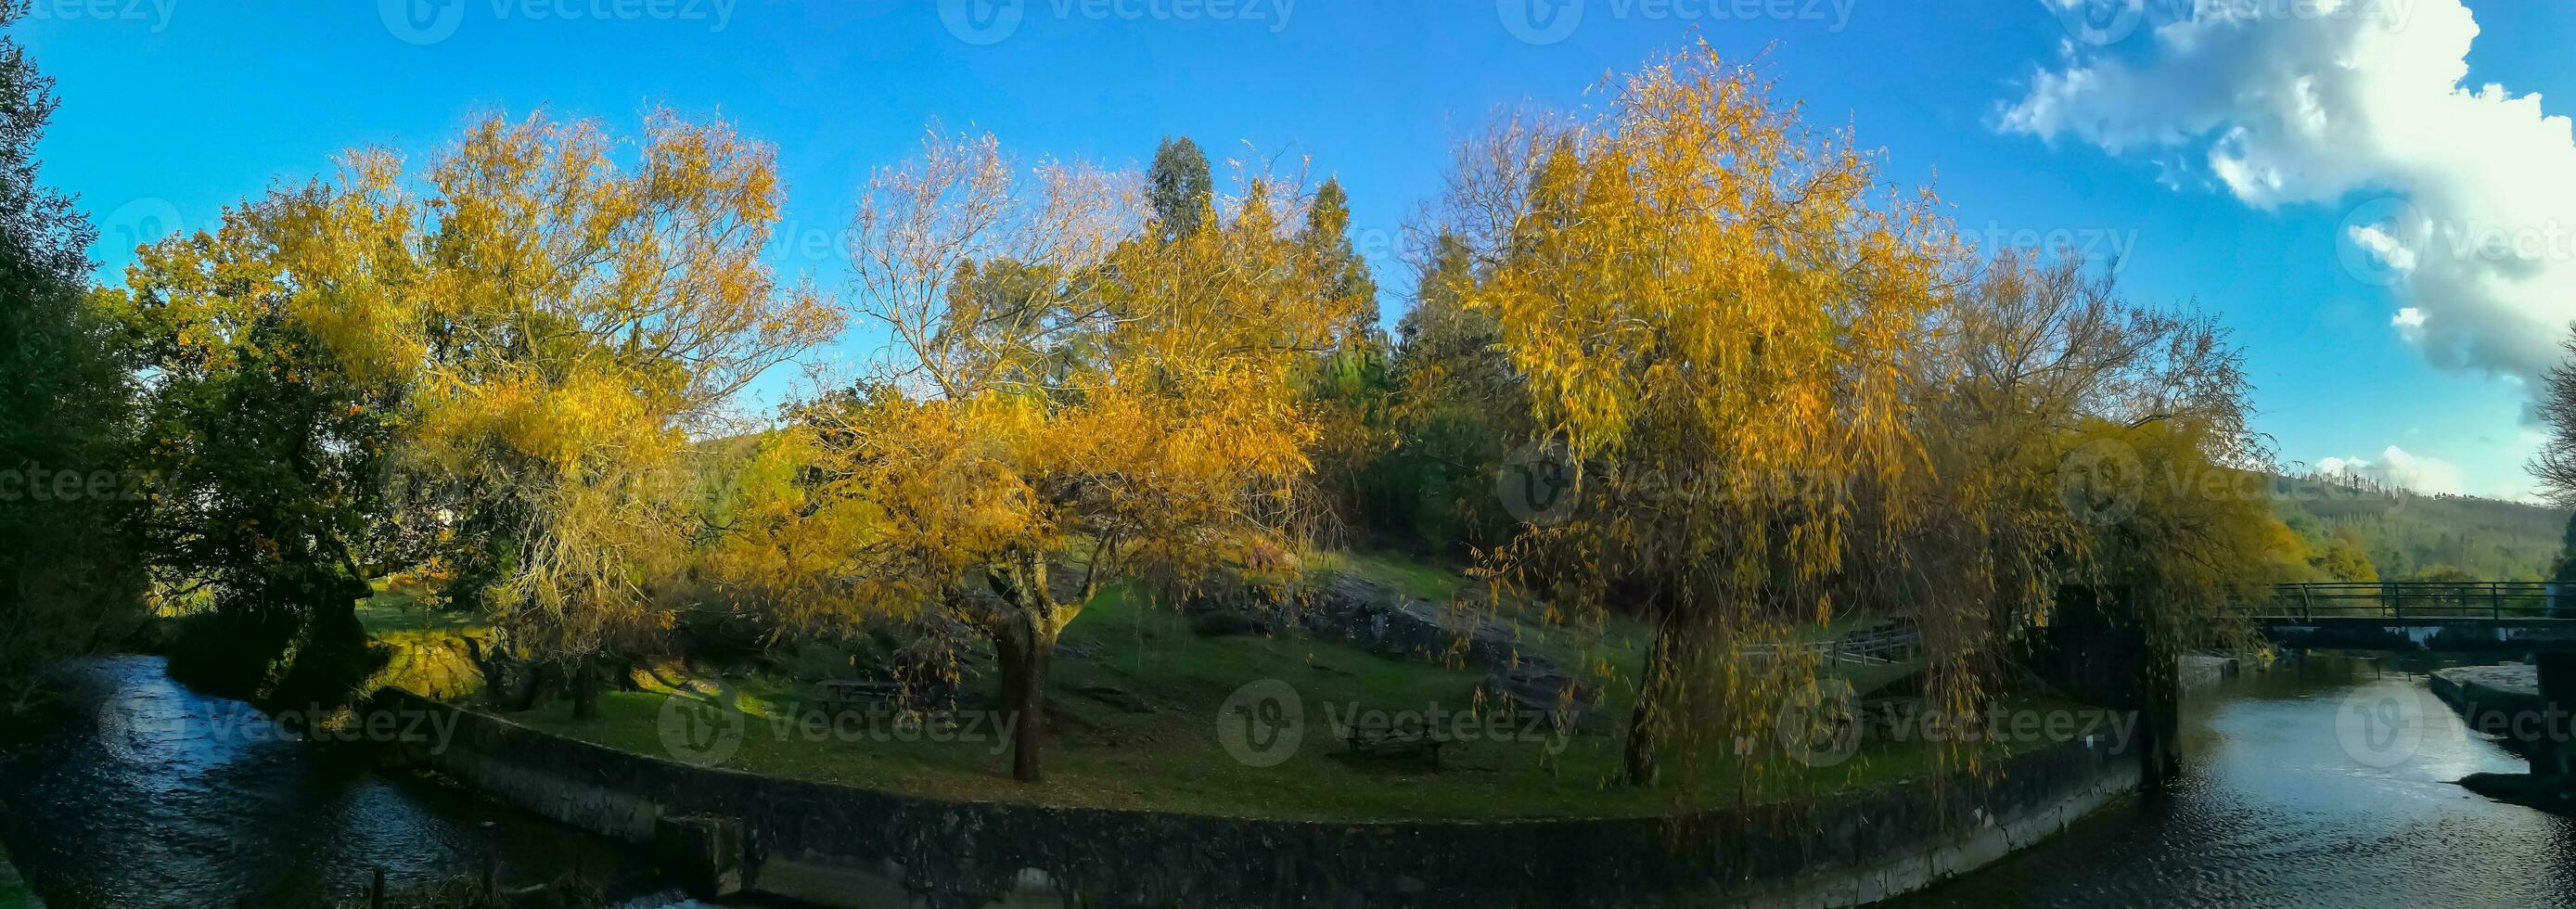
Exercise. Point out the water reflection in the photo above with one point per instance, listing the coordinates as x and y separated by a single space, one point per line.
168 798
2278 807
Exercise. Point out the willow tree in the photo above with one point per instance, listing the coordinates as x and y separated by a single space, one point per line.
1713 310
560 325
2079 438
1069 401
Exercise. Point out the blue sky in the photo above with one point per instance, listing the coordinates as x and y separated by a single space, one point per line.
174 108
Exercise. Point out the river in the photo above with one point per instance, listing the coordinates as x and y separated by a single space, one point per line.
169 798
2320 782
2323 782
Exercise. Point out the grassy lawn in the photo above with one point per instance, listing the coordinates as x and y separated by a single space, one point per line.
13 891
402 612
1102 751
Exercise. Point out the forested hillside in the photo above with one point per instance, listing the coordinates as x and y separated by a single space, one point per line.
2358 531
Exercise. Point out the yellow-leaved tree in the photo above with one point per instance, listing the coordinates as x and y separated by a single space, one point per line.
2078 439
1715 312
1067 400
564 316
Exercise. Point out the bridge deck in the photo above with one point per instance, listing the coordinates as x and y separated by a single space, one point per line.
2524 616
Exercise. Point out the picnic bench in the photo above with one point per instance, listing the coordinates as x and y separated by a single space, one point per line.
1384 740
846 695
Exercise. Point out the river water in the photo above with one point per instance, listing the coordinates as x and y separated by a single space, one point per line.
2320 782
165 797
2323 782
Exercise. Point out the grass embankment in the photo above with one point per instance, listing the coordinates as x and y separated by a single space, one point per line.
427 650
1139 698
14 893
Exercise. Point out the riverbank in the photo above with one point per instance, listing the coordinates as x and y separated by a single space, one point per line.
2482 692
830 844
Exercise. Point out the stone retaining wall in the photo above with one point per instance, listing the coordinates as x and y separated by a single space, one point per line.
841 846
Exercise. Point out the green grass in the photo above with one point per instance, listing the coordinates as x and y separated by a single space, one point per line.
1412 577
399 612
1098 754
14 893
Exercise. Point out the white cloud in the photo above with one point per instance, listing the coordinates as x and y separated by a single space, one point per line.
2343 103
2399 467
2409 322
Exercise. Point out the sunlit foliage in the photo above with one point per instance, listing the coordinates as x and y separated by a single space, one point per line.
1071 399
1715 311
549 323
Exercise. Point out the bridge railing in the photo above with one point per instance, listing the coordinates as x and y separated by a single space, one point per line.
2421 599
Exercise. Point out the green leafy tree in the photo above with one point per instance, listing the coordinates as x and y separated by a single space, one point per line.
1458 408
69 570
2344 561
271 502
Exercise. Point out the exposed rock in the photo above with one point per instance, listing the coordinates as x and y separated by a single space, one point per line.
2556 794
1536 687
1379 619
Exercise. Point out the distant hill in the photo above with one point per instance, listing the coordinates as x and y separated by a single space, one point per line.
2407 535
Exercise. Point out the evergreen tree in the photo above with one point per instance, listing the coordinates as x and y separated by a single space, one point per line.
1327 239
1180 189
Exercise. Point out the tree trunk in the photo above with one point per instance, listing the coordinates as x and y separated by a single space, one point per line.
1025 654
1646 720
585 690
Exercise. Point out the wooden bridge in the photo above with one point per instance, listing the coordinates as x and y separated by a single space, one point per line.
2421 599
2508 616
2534 618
